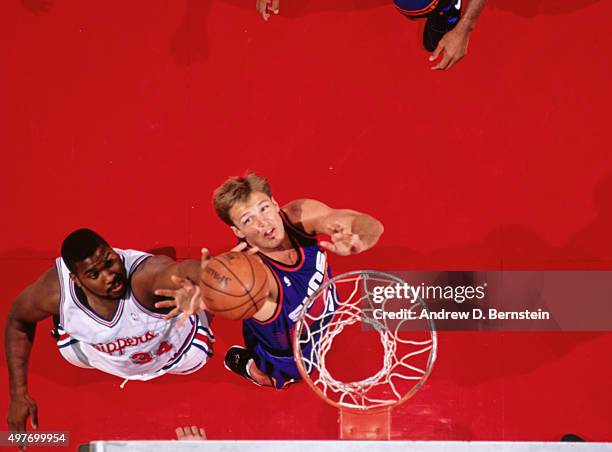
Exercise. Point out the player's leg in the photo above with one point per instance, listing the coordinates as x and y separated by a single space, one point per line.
262 367
242 362
442 17
441 21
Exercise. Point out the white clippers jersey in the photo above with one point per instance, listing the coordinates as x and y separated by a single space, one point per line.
137 344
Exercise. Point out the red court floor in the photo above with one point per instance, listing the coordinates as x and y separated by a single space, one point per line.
124 116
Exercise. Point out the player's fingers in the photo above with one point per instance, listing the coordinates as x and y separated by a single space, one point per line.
452 62
165 304
275 6
182 320
328 246
356 244
184 282
448 63
343 235
172 314
253 250
442 64
436 53
262 6
194 301
179 432
165 293
240 247
194 430
338 228
202 433
204 258
34 416
342 239
175 312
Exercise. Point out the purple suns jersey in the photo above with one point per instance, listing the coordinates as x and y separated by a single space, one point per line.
296 283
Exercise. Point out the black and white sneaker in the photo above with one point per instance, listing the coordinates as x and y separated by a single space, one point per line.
440 22
238 359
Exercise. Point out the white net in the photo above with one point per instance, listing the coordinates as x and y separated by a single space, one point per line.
357 299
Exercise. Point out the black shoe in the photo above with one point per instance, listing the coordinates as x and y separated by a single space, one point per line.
440 22
238 359
571 438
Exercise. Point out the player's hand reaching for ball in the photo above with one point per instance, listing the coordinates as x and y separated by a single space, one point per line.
265 7
343 241
186 299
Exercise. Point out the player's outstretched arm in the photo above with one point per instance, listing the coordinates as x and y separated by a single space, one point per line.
351 232
35 303
454 44
160 272
160 276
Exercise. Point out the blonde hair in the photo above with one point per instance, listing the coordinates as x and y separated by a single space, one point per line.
235 190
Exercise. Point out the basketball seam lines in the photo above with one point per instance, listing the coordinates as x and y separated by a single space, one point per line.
248 291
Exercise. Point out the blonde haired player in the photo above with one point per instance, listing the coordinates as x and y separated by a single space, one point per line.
285 239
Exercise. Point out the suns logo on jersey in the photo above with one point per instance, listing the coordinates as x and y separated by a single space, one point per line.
314 283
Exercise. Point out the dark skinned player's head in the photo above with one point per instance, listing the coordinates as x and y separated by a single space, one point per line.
94 266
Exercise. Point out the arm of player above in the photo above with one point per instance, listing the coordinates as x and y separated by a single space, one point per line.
37 302
455 42
160 273
351 232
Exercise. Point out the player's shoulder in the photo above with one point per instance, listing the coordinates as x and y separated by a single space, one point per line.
143 277
150 265
303 213
42 296
49 283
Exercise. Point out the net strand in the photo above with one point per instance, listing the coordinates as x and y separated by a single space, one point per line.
319 331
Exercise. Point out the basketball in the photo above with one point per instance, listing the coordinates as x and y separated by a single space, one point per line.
234 285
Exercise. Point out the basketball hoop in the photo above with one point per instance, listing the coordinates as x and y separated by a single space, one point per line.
408 349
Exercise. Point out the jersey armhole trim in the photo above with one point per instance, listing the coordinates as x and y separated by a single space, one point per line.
294 228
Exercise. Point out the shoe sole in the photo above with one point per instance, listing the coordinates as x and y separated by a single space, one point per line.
245 377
